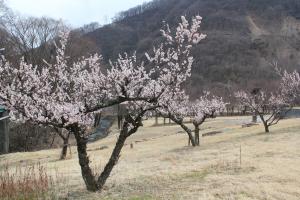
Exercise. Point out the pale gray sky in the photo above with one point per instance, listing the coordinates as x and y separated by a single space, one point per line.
74 12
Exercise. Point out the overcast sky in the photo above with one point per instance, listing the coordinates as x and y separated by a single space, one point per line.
74 12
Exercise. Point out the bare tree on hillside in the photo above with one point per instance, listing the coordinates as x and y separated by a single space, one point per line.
31 36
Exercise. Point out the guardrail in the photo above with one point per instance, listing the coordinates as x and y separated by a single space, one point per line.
3 118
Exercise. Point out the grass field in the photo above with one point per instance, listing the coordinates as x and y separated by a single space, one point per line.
162 166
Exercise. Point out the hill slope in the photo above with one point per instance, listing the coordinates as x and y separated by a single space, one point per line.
161 166
244 36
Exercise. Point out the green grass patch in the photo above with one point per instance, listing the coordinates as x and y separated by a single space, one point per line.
199 175
142 197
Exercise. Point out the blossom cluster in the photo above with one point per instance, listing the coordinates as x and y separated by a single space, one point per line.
65 92
290 85
179 106
206 107
263 101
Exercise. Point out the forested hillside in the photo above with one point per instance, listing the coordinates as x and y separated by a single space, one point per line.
244 37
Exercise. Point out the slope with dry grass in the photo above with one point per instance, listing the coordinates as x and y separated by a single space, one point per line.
161 166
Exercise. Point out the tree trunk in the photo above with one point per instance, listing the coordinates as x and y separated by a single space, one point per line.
197 135
64 151
186 129
119 121
156 119
97 120
84 161
65 139
266 128
264 123
113 159
254 118
189 132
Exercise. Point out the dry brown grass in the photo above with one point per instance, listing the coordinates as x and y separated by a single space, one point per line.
161 166
27 182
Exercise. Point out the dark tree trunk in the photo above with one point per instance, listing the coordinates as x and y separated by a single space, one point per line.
254 118
197 135
190 134
91 183
84 161
119 121
124 134
64 151
265 123
52 142
65 139
97 119
266 128
197 129
186 129
113 159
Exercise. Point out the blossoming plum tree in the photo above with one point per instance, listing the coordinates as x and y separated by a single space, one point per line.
290 85
205 107
272 107
67 95
178 106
